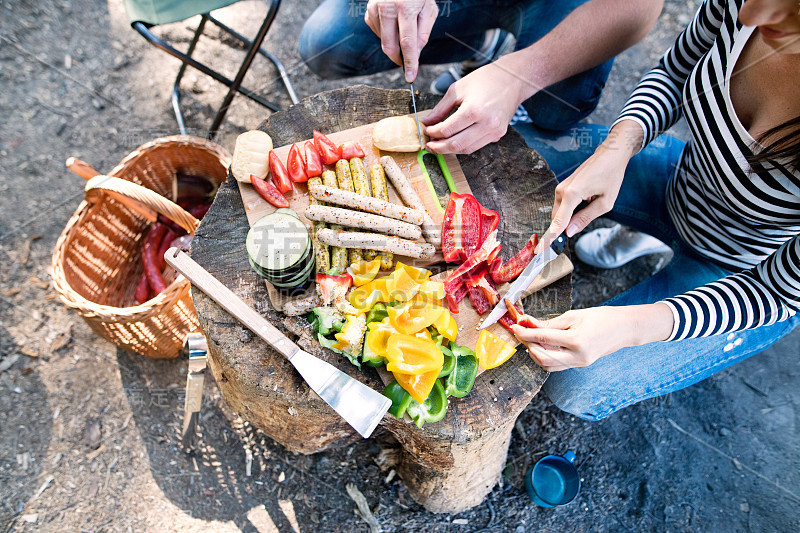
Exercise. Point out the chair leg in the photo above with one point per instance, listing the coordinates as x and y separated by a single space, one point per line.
274 60
176 88
248 59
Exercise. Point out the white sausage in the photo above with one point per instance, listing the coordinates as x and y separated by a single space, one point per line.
374 241
407 193
366 203
357 219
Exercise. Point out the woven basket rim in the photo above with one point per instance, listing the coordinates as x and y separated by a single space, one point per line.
174 290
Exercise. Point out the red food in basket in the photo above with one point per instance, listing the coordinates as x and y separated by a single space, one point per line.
150 257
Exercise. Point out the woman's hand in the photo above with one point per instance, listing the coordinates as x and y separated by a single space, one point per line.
404 27
597 181
579 338
486 100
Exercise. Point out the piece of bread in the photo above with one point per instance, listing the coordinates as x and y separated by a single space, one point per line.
251 155
397 134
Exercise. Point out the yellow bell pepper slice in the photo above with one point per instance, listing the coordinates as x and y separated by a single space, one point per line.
420 275
379 335
401 286
419 386
432 291
364 271
414 316
443 321
412 355
451 331
364 297
351 338
492 351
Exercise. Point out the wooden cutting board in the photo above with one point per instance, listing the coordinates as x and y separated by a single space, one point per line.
256 207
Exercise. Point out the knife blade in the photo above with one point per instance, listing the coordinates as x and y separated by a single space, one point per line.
416 118
525 279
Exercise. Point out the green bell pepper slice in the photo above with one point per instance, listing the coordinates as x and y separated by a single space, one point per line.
449 362
462 378
400 398
377 313
370 358
432 409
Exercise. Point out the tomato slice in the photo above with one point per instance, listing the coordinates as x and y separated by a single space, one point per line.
279 175
313 160
296 165
326 149
268 192
351 149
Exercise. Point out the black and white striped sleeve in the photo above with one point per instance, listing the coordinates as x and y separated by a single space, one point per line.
761 296
655 103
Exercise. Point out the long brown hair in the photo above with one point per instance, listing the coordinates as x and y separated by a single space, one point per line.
781 147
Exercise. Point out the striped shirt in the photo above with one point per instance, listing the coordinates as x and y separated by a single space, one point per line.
746 219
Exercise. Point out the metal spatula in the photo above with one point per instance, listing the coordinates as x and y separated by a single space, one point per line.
360 406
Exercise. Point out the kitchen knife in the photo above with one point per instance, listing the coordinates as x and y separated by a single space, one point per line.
525 279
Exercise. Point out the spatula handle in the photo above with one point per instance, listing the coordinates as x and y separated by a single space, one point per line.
221 294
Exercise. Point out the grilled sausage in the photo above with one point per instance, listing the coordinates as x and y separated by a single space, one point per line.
366 203
408 194
367 221
374 241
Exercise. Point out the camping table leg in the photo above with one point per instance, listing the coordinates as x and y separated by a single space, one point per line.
448 466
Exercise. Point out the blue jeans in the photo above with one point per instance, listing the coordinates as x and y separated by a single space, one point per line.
634 374
335 42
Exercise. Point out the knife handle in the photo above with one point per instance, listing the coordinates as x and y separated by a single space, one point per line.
221 294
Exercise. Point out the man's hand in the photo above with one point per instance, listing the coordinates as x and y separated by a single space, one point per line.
579 338
597 181
486 99
404 27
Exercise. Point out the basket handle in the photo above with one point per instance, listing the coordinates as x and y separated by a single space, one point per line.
81 168
141 199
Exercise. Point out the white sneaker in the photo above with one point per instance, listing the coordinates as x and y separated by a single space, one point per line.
615 246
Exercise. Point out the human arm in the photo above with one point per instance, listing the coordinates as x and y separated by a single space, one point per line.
487 98
654 106
579 338
404 27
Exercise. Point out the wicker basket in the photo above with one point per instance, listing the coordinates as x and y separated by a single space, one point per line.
97 259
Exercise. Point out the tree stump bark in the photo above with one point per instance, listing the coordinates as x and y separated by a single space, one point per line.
448 466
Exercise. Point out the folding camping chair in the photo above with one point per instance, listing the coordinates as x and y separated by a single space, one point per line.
144 14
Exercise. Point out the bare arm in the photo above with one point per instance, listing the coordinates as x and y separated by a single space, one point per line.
487 98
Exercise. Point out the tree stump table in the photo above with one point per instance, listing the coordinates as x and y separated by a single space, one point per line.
448 466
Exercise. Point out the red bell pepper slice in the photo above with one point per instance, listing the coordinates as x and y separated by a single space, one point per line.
296 165
518 316
490 220
268 192
332 287
455 296
279 175
313 160
326 148
514 267
506 322
482 292
461 227
350 149
483 255
479 301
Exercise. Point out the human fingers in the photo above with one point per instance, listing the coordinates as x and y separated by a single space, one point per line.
544 336
441 110
597 207
427 16
550 360
559 221
464 142
387 14
407 28
372 18
461 119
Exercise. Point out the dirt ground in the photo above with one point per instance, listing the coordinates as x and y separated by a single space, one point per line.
89 434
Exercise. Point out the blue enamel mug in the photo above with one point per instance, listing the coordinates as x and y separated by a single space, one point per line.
553 480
